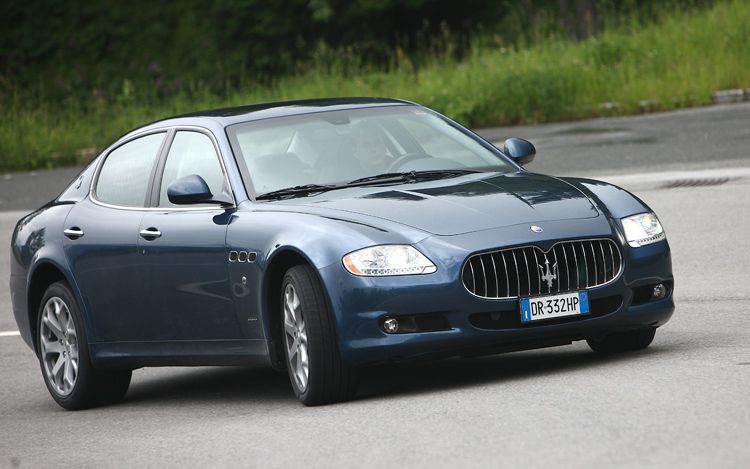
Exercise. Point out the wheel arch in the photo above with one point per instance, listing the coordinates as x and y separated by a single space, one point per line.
45 273
278 264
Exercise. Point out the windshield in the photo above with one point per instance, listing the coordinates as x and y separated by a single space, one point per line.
335 147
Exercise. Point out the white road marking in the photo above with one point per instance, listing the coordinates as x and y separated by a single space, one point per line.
9 333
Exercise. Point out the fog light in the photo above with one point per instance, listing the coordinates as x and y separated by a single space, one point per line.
660 291
390 325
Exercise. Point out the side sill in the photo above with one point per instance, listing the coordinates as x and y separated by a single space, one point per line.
131 355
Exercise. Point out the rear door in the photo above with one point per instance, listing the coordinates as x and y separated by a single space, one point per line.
189 296
101 240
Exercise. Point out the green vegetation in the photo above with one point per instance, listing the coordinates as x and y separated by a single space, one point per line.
675 62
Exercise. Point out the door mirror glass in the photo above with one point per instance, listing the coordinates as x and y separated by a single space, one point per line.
520 150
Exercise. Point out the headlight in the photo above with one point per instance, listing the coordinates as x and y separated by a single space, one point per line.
388 260
642 229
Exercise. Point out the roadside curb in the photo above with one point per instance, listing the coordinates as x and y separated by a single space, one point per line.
737 95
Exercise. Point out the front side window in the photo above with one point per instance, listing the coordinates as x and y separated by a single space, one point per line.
191 153
125 174
335 147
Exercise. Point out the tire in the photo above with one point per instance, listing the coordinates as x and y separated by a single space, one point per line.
63 347
623 341
308 330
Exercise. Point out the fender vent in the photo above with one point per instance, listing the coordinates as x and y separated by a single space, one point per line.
696 182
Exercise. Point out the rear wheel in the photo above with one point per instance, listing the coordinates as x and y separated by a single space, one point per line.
316 370
623 341
64 359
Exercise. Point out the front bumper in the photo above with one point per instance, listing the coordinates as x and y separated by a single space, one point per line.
483 326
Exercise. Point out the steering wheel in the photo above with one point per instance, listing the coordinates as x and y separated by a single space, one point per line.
406 158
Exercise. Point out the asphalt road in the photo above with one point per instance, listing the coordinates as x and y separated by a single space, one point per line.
682 402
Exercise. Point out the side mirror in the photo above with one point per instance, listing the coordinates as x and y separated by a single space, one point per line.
520 150
192 189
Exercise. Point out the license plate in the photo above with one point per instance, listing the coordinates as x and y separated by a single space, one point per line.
554 306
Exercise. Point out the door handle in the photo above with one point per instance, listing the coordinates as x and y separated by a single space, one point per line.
73 232
150 233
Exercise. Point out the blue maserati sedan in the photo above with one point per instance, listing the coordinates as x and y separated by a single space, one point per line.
320 237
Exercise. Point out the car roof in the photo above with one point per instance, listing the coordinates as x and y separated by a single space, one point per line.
217 119
232 115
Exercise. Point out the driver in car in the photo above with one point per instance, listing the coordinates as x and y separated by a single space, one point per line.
370 150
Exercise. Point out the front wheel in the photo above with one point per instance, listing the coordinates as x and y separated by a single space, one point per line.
64 359
316 370
623 341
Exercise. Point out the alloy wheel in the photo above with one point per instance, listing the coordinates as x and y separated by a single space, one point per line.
295 337
59 346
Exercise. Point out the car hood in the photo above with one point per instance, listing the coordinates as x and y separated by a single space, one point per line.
460 205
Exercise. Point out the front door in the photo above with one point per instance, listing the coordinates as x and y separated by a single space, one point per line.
189 295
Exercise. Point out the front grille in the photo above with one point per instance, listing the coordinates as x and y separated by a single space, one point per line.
528 271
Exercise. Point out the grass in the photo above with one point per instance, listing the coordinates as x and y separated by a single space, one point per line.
674 63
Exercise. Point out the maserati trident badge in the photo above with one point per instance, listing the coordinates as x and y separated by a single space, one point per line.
548 275
536 229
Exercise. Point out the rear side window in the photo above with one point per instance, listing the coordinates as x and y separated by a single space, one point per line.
124 177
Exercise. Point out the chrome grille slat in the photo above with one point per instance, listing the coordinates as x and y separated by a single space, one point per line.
494 269
538 272
484 276
473 274
578 272
585 262
593 258
478 278
557 266
528 274
567 269
596 264
507 280
518 280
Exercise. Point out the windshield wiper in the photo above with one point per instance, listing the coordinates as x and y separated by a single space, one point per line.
410 176
384 177
442 173
286 192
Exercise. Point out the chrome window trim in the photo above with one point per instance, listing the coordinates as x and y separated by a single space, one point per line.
513 248
166 131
